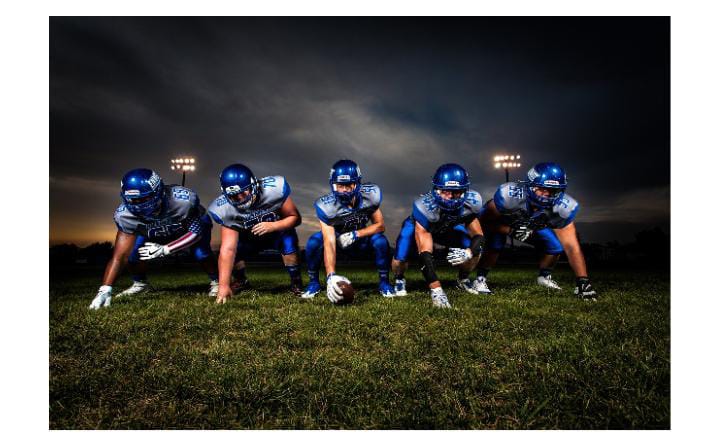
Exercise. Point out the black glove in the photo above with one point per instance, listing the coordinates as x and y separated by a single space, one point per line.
584 289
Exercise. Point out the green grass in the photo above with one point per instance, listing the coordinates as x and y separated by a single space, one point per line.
522 358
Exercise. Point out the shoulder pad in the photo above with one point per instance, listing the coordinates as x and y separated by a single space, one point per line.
220 210
125 221
425 210
566 207
371 194
474 202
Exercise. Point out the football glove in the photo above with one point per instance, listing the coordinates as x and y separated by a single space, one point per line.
347 239
584 289
152 251
456 256
521 233
103 297
334 293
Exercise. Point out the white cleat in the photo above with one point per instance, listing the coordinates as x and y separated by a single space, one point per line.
467 285
548 282
439 299
400 290
136 288
480 285
214 288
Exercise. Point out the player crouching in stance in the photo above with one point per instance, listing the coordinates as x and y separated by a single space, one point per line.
155 220
344 215
446 215
255 215
539 212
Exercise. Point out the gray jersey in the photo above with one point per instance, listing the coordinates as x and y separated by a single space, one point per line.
345 219
436 220
273 191
511 200
181 212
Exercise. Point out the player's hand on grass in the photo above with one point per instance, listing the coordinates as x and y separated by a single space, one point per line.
522 233
103 298
584 290
263 228
347 239
224 294
334 293
152 250
457 256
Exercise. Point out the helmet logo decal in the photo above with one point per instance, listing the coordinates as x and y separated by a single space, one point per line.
154 181
232 189
452 184
343 178
551 182
132 192
532 174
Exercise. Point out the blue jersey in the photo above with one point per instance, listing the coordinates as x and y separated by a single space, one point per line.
273 191
437 221
345 219
180 212
512 203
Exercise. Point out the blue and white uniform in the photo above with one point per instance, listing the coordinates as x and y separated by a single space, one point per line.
345 219
181 223
447 227
511 200
273 192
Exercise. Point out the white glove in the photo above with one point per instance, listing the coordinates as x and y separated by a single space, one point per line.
103 297
522 233
456 256
347 239
334 293
152 250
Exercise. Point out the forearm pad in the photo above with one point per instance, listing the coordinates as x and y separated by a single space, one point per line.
428 267
476 244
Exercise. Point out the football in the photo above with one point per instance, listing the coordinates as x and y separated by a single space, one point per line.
348 293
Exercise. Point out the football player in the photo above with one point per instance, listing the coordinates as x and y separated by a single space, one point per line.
446 215
255 215
153 221
536 211
350 217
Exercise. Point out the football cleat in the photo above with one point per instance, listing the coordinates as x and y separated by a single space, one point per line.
136 288
214 287
386 289
400 290
548 282
296 289
467 285
480 285
312 289
439 299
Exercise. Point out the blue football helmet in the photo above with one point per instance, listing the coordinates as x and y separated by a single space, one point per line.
345 172
450 177
235 180
547 175
142 191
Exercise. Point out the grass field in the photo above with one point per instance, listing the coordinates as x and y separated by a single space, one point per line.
522 358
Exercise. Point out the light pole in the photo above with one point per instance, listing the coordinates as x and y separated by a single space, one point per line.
506 162
184 165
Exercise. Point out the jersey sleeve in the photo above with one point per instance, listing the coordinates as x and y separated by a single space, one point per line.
320 208
508 197
420 214
124 220
566 208
474 202
218 210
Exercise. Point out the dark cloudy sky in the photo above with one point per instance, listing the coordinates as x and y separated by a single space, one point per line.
400 96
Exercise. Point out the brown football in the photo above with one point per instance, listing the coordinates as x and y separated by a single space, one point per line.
348 293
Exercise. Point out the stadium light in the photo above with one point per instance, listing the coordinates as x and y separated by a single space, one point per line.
506 162
184 165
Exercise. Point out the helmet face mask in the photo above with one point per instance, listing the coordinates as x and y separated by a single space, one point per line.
345 173
142 192
450 178
239 186
546 184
